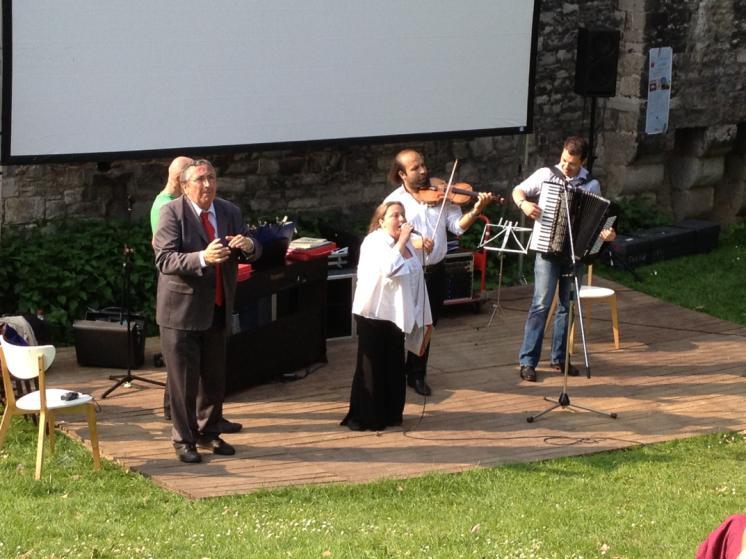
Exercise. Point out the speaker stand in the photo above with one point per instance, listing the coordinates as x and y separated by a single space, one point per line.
592 135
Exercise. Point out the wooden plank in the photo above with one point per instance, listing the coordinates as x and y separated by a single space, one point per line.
678 373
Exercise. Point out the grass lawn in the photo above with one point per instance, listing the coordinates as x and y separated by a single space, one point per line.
650 502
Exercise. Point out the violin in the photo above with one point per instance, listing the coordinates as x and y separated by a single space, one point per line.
460 193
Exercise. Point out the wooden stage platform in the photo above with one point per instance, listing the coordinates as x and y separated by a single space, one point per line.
678 373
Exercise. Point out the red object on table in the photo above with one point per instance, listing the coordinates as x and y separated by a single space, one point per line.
244 272
312 253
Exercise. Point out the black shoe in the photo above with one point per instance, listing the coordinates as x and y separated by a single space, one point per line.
187 453
419 385
225 426
572 371
528 373
216 445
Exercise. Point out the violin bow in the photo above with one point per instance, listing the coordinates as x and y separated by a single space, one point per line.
445 196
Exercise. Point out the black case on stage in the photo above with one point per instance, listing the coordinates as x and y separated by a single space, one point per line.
103 342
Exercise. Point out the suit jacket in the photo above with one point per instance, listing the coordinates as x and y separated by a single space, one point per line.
186 291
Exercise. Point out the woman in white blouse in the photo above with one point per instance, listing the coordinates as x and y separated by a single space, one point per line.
392 311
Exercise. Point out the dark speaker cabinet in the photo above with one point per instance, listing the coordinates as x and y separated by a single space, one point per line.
279 323
340 292
596 62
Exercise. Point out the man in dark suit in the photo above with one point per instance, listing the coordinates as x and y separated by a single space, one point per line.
197 243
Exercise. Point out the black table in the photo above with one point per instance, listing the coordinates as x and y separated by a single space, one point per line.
279 323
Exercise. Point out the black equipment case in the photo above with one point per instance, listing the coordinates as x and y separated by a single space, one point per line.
101 339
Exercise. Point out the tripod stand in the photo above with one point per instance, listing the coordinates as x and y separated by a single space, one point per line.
563 401
126 317
501 237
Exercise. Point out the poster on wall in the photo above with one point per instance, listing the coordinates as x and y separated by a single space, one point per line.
659 90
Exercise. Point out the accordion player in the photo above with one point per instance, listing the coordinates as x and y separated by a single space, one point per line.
589 213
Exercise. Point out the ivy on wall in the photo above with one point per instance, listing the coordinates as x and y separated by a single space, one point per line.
65 268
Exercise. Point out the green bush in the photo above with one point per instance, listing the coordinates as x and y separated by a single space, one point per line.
68 267
639 213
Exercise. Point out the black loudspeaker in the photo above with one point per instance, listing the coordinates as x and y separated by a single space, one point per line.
99 343
596 62
340 291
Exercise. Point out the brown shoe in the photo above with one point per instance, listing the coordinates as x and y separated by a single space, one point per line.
187 453
528 373
216 445
572 370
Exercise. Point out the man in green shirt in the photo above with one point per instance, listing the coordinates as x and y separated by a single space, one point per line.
171 191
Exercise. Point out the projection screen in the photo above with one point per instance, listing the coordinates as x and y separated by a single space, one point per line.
86 81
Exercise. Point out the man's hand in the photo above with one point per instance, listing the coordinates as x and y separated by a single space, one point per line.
240 242
483 200
427 244
607 235
530 209
216 253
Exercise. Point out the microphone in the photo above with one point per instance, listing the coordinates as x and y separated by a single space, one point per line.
413 232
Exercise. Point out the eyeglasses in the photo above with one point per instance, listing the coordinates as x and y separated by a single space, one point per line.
205 178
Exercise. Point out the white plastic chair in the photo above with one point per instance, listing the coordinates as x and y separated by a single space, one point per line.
588 294
29 362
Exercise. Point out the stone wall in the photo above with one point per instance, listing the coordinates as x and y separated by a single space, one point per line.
695 169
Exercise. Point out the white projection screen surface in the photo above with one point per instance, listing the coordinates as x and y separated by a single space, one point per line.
86 80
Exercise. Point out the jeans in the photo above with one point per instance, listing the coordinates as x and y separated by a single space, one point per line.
548 272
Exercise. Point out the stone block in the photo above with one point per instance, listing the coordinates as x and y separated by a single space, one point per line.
291 165
8 187
24 210
696 202
55 209
643 177
268 167
73 196
481 147
690 172
234 185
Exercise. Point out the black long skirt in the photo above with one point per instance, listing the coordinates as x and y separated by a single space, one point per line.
378 387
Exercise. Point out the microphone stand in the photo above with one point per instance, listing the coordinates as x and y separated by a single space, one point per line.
125 315
563 401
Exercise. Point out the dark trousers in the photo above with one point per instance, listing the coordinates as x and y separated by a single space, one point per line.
195 361
378 386
435 279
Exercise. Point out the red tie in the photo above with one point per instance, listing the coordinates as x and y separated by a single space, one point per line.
210 230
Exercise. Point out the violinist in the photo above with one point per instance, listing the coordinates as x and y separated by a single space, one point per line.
409 174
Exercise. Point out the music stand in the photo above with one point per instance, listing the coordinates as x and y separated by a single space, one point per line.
125 316
563 401
503 240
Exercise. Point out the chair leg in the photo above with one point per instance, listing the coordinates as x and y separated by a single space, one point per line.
91 412
5 424
50 430
614 321
552 308
40 444
587 317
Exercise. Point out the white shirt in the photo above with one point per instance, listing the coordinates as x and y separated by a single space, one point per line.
212 218
389 286
424 217
532 185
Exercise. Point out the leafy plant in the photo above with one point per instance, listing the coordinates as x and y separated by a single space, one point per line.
639 213
71 266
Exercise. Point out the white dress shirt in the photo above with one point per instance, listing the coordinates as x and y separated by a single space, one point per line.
424 217
389 286
532 185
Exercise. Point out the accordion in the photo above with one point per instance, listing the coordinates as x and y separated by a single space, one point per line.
589 213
